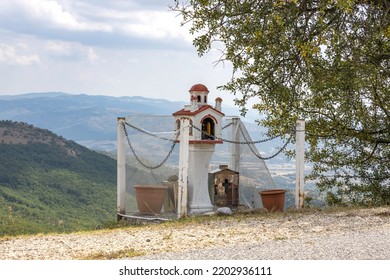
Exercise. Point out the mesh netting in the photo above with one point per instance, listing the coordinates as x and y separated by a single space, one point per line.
253 172
152 158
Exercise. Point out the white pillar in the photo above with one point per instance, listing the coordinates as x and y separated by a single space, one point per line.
198 189
235 156
182 192
300 164
121 167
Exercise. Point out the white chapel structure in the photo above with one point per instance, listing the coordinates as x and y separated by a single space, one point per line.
205 131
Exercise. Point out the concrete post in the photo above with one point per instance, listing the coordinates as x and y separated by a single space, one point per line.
199 159
300 164
121 168
182 192
235 156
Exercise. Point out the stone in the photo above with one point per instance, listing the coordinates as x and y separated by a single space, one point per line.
224 211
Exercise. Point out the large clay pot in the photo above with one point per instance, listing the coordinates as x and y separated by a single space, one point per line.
273 199
150 198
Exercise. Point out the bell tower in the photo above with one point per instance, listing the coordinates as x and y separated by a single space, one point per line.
205 131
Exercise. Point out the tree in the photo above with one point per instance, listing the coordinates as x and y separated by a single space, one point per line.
326 61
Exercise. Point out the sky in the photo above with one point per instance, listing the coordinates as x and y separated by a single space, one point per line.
101 47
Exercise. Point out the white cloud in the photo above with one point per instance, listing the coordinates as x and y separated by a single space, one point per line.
92 56
59 48
111 47
90 23
70 51
133 19
45 14
49 11
154 24
11 55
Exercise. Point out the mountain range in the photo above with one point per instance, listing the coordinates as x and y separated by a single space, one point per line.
90 120
79 117
83 117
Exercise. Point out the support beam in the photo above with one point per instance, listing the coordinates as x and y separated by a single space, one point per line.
182 193
300 164
235 156
121 168
199 201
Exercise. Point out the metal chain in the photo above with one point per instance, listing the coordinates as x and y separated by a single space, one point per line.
258 154
249 143
235 142
226 126
138 159
150 133
246 142
267 139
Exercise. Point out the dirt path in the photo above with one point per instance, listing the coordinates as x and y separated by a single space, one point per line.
172 239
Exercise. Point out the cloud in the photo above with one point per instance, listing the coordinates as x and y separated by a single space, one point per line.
112 47
59 48
154 24
11 55
69 51
121 24
92 56
25 15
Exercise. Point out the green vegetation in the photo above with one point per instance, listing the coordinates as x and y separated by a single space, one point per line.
49 184
324 61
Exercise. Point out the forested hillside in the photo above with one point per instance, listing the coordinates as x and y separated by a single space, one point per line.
48 183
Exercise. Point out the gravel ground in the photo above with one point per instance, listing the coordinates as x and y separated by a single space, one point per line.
360 245
345 234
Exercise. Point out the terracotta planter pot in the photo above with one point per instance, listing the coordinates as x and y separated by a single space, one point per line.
150 198
273 199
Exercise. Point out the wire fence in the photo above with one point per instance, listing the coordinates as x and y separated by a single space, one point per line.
152 159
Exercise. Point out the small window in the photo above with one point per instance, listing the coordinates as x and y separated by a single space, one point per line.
177 124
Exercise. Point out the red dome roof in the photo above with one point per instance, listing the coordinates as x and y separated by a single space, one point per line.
199 87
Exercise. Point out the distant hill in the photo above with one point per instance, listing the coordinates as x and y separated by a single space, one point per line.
84 118
90 120
48 183
79 117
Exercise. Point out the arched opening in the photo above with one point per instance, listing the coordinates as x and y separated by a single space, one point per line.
178 126
208 129
190 127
